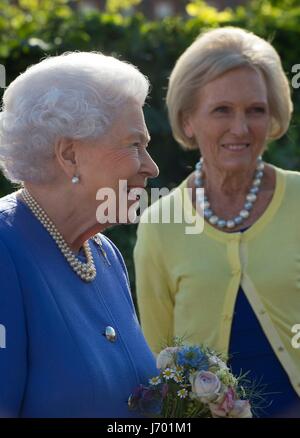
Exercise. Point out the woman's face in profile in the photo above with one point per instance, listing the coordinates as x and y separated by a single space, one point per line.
231 120
117 162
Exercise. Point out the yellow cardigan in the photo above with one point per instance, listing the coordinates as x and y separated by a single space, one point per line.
187 283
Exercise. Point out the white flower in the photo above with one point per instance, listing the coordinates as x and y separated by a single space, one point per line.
214 360
206 386
155 381
168 373
182 393
165 359
178 378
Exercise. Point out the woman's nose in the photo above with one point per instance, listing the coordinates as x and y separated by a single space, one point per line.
150 167
239 125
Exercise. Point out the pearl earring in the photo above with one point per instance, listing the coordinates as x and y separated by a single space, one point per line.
75 179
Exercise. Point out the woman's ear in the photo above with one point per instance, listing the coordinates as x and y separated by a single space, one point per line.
187 126
66 151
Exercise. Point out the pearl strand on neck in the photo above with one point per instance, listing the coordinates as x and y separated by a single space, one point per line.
86 271
250 198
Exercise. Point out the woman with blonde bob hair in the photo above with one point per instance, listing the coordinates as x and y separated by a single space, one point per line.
234 286
216 53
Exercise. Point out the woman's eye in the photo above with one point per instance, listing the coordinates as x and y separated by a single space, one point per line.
258 109
222 109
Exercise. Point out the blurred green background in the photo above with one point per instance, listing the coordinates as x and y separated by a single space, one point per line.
33 29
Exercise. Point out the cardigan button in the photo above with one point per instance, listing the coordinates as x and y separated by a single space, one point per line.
110 334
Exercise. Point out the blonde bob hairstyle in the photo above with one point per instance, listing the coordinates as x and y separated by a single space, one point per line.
214 53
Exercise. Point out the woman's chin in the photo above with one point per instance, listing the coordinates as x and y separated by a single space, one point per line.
237 161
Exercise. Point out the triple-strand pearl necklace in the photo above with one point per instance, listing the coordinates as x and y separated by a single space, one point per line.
250 198
86 271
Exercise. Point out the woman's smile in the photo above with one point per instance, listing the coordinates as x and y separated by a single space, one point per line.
235 147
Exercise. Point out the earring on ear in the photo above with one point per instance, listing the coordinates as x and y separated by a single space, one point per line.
75 179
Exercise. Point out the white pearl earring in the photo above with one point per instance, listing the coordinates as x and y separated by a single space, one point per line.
75 179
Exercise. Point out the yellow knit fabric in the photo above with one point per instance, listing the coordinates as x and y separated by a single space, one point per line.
187 283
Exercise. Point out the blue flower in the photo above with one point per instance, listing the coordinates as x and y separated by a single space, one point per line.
192 356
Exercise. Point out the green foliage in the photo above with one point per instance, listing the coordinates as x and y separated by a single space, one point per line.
200 9
33 29
116 6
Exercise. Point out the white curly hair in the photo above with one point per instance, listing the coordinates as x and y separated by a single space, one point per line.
75 95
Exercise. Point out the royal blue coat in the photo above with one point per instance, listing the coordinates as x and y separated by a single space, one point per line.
57 362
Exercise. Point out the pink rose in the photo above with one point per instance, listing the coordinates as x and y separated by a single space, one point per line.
205 386
241 409
231 408
224 405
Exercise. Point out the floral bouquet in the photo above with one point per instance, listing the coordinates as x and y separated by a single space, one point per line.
193 382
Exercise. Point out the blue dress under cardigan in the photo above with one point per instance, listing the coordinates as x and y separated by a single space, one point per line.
57 361
250 350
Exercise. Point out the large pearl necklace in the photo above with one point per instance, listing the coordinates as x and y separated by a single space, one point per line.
86 271
250 198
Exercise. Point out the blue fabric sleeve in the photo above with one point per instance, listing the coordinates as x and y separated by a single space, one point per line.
13 344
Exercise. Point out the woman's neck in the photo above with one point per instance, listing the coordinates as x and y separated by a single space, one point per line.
227 184
227 194
73 217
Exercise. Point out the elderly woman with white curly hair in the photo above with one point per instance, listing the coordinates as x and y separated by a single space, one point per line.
235 286
70 125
